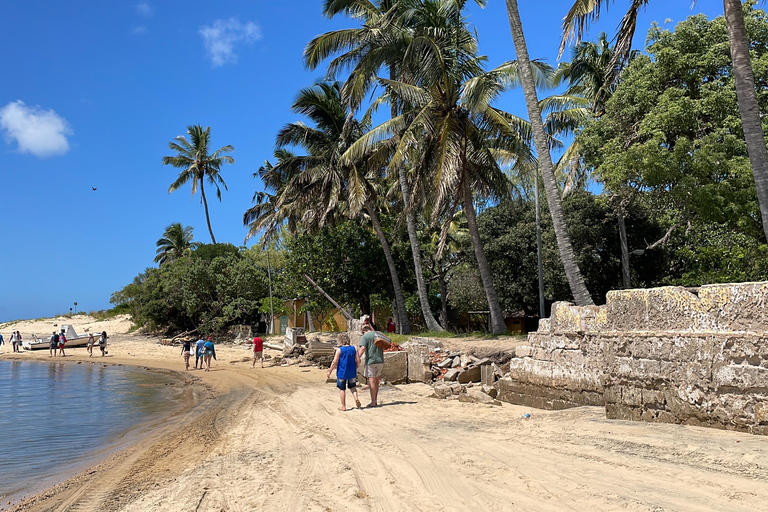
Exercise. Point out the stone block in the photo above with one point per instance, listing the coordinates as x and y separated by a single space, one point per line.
445 363
419 367
487 375
471 374
451 375
477 397
442 391
456 388
395 369
523 351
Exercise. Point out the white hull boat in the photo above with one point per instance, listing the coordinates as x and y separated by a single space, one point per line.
73 339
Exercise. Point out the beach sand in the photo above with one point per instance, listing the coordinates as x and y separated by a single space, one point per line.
273 439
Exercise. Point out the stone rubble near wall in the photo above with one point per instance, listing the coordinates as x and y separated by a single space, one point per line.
661 354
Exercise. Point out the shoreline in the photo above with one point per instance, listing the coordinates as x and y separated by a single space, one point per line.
123 440
273 438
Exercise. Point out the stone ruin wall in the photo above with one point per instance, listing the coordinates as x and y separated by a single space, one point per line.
661 354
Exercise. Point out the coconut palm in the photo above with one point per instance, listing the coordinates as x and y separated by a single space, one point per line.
583 12
198 164
449 134
572 272
388 28
175 243
320 184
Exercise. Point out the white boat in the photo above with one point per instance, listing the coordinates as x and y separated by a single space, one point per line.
73 339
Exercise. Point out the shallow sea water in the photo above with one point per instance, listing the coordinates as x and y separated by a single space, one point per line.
55 417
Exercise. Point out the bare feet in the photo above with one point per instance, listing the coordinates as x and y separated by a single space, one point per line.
342 409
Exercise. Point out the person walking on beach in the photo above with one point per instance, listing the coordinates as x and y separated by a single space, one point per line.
199 352
374 362
258 351
14 340
345 360
54 344
17 347
62 342
185 351
209 351
1 338
103 343
91 341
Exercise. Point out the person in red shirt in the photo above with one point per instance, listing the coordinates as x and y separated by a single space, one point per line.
258 351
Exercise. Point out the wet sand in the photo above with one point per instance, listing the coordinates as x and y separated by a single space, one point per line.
274 439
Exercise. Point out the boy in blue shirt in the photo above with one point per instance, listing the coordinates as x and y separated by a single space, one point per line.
345 360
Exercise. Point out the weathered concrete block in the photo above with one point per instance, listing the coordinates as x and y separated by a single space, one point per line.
456 388
451 375
471 374
419 367
395 369
477 397
442 391
523 351
487 375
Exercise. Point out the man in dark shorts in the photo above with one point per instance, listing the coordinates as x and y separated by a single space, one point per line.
346 360
54 344
258 351
374 362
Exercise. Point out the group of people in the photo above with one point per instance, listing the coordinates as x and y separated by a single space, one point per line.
346 360
15 341
205 350
59 341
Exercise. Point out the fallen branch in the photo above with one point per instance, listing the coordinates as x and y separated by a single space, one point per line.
341 310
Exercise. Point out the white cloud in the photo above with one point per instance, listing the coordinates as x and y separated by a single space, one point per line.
145 10
221 37
36 131
139 30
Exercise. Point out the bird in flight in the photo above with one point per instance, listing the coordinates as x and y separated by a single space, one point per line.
94 188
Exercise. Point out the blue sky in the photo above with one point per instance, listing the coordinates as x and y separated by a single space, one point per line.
92 92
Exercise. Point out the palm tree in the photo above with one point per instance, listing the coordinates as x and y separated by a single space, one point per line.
576 22
319 184
198 165
449 134
573 274
176 243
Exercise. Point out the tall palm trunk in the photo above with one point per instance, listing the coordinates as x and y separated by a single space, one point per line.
403 325
410 220
205 204
748 107
625 275
572 273
497 318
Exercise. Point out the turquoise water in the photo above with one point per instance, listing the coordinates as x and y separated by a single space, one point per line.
55 417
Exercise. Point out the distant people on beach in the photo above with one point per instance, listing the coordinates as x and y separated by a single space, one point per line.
186 352
391 325
345 360
374 362
1 339
15 340
258 351
199 352
62 342
54 345
91 342
209 351
103 343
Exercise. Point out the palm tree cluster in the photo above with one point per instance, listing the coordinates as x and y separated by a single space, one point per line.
442 149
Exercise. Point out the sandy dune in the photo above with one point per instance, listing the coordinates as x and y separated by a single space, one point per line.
273 439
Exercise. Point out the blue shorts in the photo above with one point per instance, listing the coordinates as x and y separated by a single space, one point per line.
343 384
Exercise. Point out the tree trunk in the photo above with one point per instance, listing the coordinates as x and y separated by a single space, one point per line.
748 107
205 204
540 266
399 313
625 276
573 274
443 296
410 218
497 318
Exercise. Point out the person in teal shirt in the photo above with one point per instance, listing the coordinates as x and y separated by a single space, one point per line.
374 362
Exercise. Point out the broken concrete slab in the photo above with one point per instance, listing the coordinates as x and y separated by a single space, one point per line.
476 396
451 375
395 369
472 374
443 391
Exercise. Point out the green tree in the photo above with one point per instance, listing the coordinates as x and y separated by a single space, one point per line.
198 164
737 17
575 279
175 243
672 129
